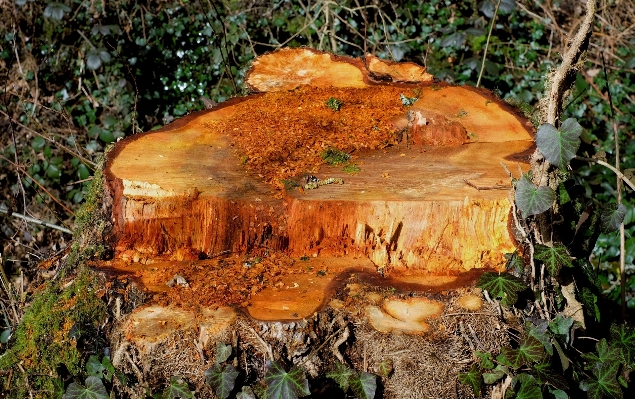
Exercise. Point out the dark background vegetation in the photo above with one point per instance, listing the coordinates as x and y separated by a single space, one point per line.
77 75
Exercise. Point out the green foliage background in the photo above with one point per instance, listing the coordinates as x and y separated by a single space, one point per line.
77 75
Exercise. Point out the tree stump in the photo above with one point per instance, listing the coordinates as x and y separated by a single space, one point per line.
336 176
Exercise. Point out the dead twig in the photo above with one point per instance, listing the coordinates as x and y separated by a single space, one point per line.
36 221
479 188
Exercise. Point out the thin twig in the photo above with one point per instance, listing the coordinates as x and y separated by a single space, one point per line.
619 174
36 221
50 140
15 165
479 188
616 138
489 35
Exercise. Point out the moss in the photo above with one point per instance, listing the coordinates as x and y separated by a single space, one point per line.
86 215
48 335
62 320
351 168
334 156
527 110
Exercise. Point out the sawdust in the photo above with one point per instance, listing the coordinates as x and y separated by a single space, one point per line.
283 134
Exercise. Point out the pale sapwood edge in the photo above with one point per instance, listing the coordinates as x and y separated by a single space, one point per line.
619 174
36 221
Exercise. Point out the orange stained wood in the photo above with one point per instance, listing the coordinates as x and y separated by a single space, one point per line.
276 288
423 192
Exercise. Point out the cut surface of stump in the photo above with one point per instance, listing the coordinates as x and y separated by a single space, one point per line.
361 164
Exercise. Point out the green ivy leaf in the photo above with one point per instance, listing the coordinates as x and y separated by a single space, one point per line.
38 143
4 337
109 120
539 331
499 372
603 381
561 326
94 389
532 200
106 136
222 379
486 361
341 374
56 10
177 389
110 371
528 387
530 351
246 393
456 39
95 57
590 302
559 394
606 353
385 368
94 367
502 285
283 385
559 146
472 378
364 385
554 257
623 337
515 263
612 217
544 373
223 352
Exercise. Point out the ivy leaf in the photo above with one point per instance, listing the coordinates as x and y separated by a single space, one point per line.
246 393
502 285
559 146
341 374
532 200
95 57
559 394
530 351
94 367
515 263
177 389
590 302
554 257
603 382
283 385
4 337
612 217
528 387
545 373
456 39
623 337
222 379
385 368
499 372
110 371
561 326
94 389
223 352
539 331
505 7
364 385
472 378
486 362
56 10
